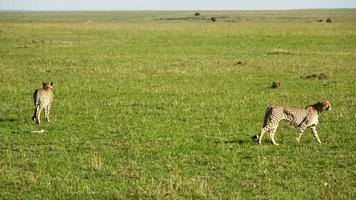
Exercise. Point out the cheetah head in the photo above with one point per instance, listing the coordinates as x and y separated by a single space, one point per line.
326 105
47 85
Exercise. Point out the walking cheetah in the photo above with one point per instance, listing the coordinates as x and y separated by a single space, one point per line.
298 117
42 98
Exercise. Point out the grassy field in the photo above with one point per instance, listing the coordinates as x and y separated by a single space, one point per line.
152 105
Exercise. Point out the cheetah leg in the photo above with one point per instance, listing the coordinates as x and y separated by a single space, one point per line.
47 113
315 133
272 134
262 132
301 131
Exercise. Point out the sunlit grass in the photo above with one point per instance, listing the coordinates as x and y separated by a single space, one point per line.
152 109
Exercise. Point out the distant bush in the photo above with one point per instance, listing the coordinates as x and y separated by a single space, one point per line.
317 76
276 85
213 19
329 20
239 62
197 14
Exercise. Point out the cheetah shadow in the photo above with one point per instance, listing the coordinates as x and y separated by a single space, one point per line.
7 120
232 141
248 140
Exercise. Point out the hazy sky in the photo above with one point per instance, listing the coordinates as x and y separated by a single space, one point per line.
171 4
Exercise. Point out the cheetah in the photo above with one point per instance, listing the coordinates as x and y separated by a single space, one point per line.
298 117
42 98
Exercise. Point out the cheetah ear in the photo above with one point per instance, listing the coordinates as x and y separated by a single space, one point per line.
51 83
43 84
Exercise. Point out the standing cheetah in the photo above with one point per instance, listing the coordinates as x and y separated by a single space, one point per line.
298 117
42 98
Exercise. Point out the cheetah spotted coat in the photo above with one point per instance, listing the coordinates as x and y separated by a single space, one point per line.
298 117
42 98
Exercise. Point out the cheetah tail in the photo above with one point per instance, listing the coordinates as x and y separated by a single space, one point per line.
34 115
35 99
267 114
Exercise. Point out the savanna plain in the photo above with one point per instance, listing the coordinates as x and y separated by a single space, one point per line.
162 105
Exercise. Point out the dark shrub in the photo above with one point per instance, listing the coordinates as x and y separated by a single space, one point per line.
239 62
276 85
317 76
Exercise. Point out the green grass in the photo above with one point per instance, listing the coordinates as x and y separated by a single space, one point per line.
147 107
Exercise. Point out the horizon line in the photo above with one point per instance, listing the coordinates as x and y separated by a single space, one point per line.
110 10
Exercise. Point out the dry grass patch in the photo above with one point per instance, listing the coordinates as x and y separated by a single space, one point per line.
278 51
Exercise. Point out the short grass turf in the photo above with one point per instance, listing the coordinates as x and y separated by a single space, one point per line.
153 105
